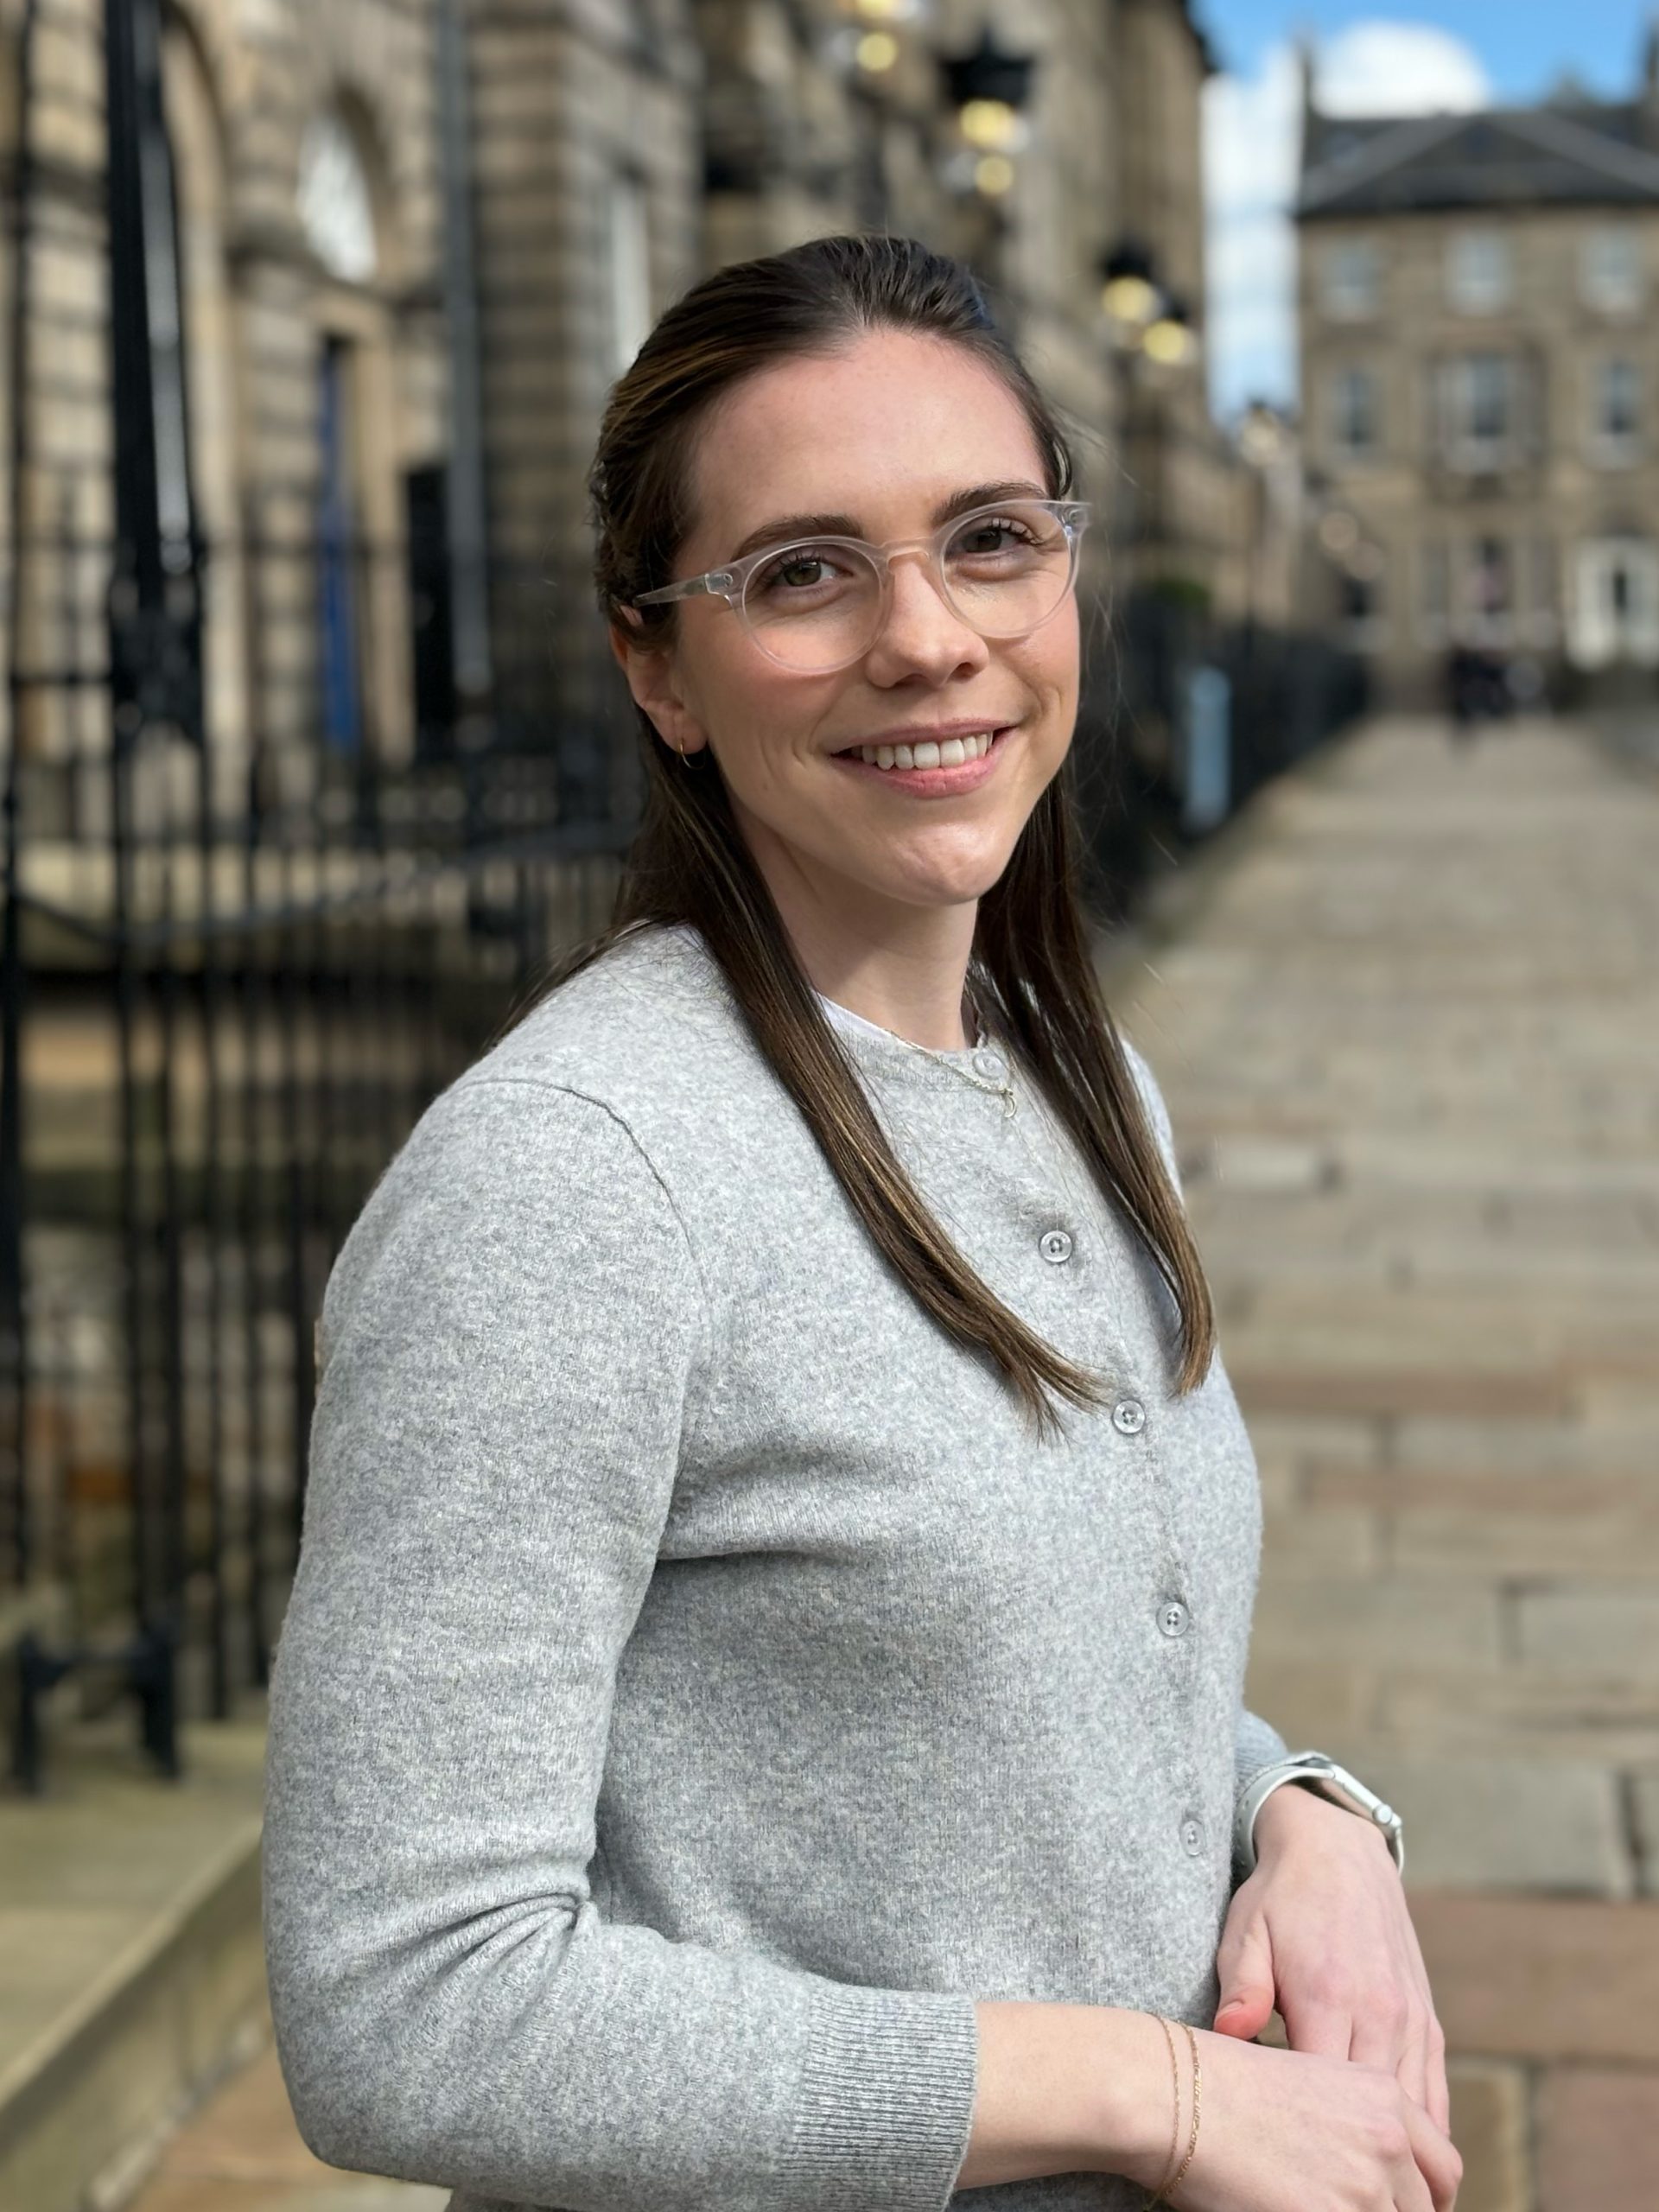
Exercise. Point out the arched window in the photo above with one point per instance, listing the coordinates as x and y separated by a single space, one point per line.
362 700
336 206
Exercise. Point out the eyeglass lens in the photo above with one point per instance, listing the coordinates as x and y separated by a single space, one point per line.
1006 571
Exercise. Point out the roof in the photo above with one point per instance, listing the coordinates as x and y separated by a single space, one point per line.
1585 153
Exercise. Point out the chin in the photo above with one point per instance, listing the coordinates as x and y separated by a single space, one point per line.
958 886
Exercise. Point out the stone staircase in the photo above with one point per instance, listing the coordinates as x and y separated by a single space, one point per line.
134 1975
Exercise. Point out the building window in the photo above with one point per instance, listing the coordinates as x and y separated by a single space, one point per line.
1355 411
1615 611
1610 276
341 552
336 206
1616 424
1350 272
1477 271
1479 410
628 261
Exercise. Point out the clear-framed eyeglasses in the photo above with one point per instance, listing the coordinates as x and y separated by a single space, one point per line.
818 604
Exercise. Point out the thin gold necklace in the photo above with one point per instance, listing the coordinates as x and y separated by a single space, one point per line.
1000 1087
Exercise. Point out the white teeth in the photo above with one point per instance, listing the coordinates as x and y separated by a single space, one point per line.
951 754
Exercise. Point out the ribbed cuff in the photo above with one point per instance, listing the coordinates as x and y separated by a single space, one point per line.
1256 1744
887 2101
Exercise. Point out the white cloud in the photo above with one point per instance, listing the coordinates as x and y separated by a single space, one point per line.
1398 69
1252 147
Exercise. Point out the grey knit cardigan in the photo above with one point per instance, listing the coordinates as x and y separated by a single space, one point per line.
700 1685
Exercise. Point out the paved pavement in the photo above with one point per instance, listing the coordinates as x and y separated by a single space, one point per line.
1407 1025
243 2153
1406 1021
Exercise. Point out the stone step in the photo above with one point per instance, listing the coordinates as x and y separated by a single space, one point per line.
129 1924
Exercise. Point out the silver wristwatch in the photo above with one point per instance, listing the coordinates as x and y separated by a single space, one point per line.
1335 1782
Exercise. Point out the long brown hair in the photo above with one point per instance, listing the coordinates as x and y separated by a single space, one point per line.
1031 968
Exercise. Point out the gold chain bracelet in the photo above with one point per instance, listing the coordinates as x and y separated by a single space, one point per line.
1175 2179
1175 2123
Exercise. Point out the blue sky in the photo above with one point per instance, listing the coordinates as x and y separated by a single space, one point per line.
1522 44
1375 58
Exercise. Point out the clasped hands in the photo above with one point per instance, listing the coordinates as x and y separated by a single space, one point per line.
1320 1930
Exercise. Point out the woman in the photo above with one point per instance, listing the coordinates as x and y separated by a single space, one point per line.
736 1745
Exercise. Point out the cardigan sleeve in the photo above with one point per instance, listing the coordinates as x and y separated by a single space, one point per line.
509 1356
1257 1742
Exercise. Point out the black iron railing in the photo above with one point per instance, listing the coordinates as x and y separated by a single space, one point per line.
231 974
1282 694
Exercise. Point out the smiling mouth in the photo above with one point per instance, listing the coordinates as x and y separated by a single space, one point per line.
926 753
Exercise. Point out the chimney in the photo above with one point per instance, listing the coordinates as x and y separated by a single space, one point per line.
1305 65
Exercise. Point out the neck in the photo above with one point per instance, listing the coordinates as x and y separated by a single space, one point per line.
969 1031
901 965
919 994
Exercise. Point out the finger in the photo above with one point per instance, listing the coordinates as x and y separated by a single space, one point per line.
1439 2090
1244 1963
1437 2097
1412 2072
1382 2033
1411 2192
1245 2012
1408 2187
1424 2051
1397 2041
1436 2155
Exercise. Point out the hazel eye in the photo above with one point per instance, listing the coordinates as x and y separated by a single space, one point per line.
779 570
789 576
1002 528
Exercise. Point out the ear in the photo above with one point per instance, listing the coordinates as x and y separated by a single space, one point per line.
652 679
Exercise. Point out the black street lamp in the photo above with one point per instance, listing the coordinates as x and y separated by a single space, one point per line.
988 73
988 90
1144 323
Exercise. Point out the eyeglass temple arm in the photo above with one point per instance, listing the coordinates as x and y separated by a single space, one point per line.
717 583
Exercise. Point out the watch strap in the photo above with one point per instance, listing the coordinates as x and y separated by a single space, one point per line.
1333 1781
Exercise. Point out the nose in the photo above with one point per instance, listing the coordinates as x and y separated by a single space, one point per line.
922 628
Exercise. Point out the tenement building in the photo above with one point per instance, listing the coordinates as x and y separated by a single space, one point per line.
1476 307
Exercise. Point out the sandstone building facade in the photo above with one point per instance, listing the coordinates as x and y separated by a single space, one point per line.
358 394
1478 321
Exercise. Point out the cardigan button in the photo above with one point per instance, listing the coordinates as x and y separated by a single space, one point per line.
1173 1618
1128 1416
1192 1835
1055 1244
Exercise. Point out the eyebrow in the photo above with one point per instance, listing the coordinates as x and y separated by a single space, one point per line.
782 527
